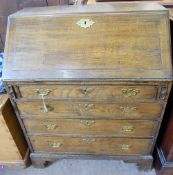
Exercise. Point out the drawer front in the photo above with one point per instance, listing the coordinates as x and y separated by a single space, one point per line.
89 92
142 128
116 146
69 109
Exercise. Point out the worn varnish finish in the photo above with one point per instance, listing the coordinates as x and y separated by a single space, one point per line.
96 110
88 145
89 92
129 128
104 57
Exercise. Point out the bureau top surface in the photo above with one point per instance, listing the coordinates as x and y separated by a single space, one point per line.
118 41
106 8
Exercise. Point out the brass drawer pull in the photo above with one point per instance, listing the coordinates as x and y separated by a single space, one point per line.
127 128
51 126
42 93
85 23
127 109
125 146
88 123
130 92
55 144
85 107
89 140
86 91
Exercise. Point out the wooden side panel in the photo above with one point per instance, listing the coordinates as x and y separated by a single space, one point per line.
164 149
8 150
165 141
13 144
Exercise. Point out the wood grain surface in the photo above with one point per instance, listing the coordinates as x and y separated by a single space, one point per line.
92 145
95 110
14 149
96 83
119 128
91 92
130 46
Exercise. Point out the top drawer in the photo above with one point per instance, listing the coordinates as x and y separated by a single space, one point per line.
95 92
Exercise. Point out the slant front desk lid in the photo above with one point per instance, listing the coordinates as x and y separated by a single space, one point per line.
118 41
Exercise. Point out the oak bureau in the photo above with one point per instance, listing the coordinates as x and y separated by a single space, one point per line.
89 81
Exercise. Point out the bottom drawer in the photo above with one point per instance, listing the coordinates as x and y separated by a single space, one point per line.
87 145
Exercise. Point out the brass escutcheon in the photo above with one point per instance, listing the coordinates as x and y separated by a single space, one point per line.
85 23
86 90
130 92
88 123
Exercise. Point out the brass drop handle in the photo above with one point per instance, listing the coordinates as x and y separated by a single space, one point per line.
89 140
42 93
125 146
55 144
88 123
51 126
130 92
127 109
127 128
86 90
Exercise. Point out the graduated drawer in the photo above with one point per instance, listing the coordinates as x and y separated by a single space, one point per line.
116 146
76 109
94 92
132 128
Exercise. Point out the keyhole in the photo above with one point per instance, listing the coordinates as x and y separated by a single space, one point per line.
85 22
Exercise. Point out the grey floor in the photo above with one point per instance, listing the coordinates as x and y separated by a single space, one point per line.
80 167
